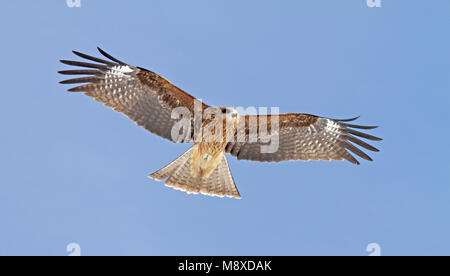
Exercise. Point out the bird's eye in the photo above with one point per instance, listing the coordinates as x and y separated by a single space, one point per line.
224 110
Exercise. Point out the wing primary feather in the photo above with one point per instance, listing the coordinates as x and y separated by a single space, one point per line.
346 120
358 126
81 88
360 143
81 72
110 57
350 157
360 134
356 151
81 80
84 64
94 58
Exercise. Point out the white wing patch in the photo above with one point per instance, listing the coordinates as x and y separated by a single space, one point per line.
332 128
119 71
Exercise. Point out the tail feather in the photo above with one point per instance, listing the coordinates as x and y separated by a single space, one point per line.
169 169
182 179
219 183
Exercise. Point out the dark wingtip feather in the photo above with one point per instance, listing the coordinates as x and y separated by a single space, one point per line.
109 56
81 80
361 134
356 151
84 64
81 72
352 160
67 62
94 58
77 89
358 126
347 120
360 143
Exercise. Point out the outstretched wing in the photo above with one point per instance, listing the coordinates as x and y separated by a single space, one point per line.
301 137
145 97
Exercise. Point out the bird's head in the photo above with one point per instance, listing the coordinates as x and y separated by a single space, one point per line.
229 112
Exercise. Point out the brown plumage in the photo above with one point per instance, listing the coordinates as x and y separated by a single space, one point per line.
159 106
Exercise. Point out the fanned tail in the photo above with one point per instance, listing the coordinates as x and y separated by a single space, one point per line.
179 176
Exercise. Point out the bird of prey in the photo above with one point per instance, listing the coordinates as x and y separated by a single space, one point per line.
151 101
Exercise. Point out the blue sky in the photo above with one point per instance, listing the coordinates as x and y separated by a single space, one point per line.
75 171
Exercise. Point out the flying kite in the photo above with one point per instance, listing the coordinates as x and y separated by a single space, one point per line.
162 108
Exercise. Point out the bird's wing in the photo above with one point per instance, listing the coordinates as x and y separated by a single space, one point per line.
300 137
145 97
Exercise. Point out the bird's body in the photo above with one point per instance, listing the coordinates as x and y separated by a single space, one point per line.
209 151
156 104
206 157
